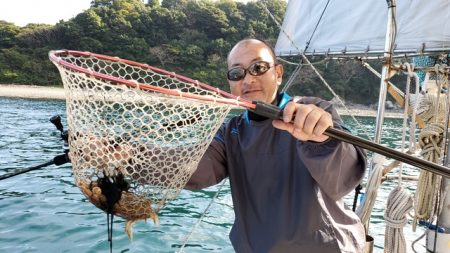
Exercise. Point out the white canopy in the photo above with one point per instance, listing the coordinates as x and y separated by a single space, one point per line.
359 26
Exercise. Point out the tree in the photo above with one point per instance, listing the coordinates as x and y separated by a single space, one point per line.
36 36
8 33
91 23
212 20
101 3
175 4
152 3
166 25
161 53
235 16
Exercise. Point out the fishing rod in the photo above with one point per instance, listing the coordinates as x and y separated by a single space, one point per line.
57 160
274 112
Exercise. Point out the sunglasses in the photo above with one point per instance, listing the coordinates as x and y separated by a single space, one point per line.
256 69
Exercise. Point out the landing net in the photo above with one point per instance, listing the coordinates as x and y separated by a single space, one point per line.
146 143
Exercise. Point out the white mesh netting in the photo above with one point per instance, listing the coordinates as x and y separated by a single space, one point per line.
131 147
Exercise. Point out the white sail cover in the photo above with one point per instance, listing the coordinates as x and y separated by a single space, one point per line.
359 26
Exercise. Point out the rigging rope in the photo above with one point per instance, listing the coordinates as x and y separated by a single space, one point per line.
334 94
188 237
400 201
305 59
412 125
300 64
431 141
395 210
373 182
427 193
429 103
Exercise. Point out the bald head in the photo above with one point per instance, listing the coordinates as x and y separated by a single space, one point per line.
248 43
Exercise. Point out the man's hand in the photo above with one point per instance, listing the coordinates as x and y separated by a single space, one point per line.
305 122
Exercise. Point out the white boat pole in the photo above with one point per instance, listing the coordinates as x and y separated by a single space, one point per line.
387 56
385 75
385 72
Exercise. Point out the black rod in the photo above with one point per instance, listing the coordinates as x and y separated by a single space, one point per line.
274 112
24 170
388 152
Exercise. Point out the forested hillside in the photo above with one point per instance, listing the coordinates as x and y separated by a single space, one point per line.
184 36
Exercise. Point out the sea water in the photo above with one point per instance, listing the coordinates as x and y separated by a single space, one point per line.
43 210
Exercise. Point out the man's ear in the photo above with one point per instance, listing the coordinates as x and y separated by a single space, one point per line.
279 69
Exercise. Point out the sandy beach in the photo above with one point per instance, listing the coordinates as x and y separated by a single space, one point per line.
32 91
44 92
361 110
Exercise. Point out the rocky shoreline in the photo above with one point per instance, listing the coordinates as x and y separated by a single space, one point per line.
57 93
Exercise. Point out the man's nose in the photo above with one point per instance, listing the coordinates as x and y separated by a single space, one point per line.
248 79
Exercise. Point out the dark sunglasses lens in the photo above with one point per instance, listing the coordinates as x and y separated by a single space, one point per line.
258 68
236 74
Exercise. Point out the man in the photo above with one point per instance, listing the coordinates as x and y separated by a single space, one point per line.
287 178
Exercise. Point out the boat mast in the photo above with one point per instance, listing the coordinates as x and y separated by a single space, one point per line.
385 72
385 76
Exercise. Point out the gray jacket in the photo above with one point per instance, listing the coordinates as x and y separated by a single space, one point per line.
287 194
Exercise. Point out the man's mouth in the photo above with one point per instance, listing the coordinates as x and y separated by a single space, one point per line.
250 91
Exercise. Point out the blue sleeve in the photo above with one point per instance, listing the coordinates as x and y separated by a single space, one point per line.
212 167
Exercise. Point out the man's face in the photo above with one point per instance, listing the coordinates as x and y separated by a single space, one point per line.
262 87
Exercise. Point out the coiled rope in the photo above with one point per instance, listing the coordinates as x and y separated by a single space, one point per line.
400 201
427 106
431 142
428 193
379 169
